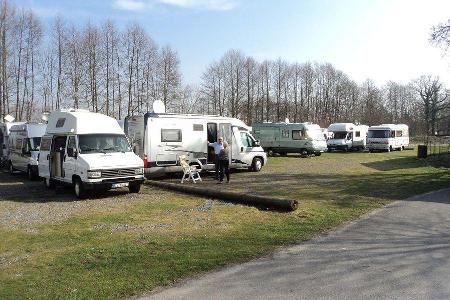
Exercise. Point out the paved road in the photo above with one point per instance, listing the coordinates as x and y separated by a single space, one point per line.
399 252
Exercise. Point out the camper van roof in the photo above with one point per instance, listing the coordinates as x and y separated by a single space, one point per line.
196 116
388 126
80 121
31 129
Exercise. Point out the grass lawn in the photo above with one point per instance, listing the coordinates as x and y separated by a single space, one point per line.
159 237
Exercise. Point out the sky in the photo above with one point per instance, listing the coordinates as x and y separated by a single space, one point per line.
381 40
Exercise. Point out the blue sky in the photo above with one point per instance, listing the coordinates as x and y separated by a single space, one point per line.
380 40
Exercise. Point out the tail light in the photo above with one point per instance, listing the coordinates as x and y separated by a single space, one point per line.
145 161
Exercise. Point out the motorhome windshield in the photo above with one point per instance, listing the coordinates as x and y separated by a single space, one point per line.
102 143
379 134
34 143
339 135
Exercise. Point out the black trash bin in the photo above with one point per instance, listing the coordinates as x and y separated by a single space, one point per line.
422 151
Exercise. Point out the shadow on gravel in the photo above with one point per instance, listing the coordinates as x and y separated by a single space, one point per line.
18 188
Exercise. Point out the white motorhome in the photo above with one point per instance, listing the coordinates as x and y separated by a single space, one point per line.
283 138
89 151
161 138
347 136
4 141
388 137
24 141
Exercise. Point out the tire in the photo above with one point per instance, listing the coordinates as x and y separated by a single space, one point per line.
270 152
370 151
346 149
11 168
134 188
389 149
79 190
318 153
49 184
30 174
257 164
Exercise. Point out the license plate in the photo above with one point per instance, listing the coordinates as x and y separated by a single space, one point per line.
119 185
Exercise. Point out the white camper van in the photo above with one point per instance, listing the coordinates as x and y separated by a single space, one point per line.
90 151
161 138
347 136
4 142
283 138
388 137
24 141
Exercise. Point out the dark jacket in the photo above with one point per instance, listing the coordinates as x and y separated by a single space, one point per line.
224 154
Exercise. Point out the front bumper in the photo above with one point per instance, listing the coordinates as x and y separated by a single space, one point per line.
378 146
337 147
106 184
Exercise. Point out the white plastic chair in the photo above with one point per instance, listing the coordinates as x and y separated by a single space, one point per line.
189 172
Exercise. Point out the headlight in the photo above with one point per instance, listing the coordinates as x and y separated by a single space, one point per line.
94 174
139 171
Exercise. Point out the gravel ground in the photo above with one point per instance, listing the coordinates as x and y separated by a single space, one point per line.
24 203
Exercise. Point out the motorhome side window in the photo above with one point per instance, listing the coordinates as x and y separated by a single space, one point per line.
297 134
198 127
45 143
398 133
19 144
71 144
357 134
246 140
60 122
285 133
171 135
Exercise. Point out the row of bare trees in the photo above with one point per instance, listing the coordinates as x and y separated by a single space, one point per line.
97 67
239 86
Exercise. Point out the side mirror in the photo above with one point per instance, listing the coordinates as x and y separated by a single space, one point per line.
256 143
72 152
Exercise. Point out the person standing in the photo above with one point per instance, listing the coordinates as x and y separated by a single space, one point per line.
224 163
218 146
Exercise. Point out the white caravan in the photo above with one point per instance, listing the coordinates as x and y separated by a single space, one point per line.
161 138
4 141
24 141
89 151
388 137
347 136
283 138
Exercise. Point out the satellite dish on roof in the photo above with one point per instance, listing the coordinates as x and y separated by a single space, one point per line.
159 107
286 120
9 118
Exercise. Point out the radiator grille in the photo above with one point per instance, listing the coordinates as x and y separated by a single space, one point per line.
117 173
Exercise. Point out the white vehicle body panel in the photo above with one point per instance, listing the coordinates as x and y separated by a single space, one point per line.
388 137
160 139
4 140
291 137
65 130
24 140
347 136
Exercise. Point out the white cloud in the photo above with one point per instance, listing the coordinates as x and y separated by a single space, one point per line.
129 4
191 4
202 4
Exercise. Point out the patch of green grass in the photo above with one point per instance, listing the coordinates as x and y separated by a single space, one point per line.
158 240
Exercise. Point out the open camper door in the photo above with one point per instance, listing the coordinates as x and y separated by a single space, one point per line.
225 132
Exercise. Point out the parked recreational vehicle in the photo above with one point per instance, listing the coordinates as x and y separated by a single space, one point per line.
161 138
283 138
388 137
347 136
24 141
4 142
89 151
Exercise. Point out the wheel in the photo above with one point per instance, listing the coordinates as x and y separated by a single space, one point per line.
318 153
11 168
389 149
134 187
370 151
79 189
49 184
257 164
346 149
30 174
304 152
270 152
